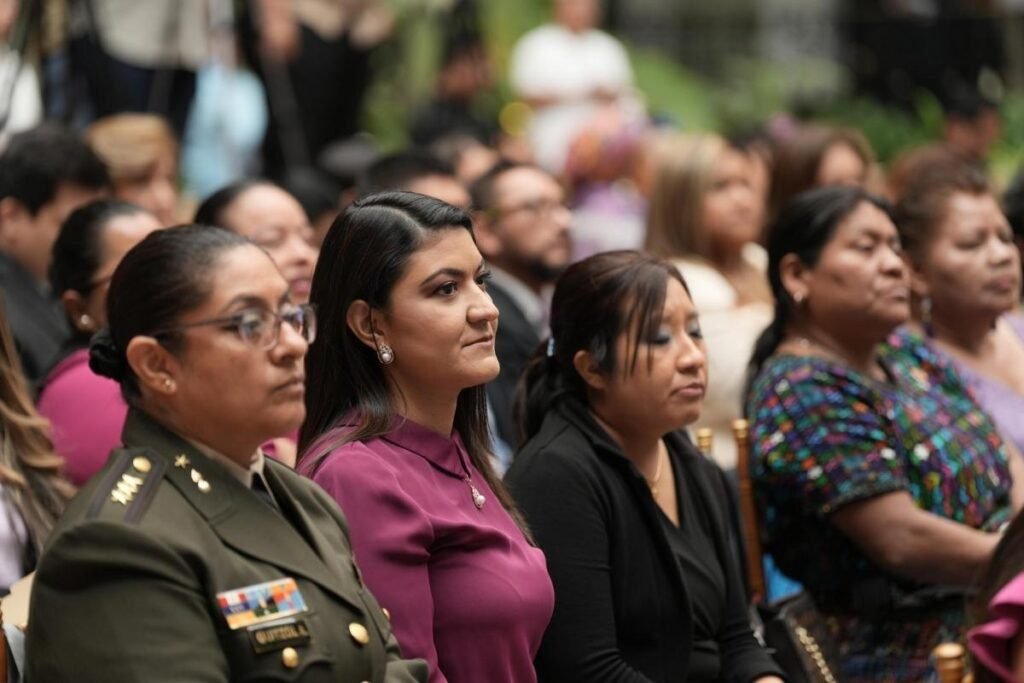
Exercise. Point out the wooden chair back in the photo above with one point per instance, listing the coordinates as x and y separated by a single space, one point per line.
748 512
705 441
951 663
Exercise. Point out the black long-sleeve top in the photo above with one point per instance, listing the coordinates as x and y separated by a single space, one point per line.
628 607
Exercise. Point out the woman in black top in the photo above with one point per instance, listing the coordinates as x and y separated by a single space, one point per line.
632 519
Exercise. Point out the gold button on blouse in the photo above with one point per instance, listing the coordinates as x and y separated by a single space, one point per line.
290 657
359 633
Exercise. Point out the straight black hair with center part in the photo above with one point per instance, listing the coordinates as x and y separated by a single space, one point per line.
366 251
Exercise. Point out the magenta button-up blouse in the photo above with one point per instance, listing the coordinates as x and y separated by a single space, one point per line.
465 590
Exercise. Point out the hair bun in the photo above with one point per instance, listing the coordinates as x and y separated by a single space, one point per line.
105 358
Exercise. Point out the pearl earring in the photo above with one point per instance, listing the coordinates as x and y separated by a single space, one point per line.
385 354
85 321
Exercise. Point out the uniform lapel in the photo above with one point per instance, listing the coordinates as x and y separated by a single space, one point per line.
297 506
236 514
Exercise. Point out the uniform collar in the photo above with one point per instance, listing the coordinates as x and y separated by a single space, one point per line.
238 516
242 474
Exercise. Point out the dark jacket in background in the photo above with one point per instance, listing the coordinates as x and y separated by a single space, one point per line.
516 341
622 605
36 319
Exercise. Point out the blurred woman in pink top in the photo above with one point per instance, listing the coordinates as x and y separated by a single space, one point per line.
85 410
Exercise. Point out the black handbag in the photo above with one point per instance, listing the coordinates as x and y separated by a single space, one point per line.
794 632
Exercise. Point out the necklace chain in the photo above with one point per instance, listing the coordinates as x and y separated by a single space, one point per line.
653 483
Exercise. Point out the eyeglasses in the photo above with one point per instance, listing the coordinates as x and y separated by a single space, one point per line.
538 208
260 328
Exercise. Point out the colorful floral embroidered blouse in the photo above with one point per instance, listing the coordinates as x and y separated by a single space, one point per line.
824 435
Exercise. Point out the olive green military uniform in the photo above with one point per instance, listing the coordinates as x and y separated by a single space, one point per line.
167 568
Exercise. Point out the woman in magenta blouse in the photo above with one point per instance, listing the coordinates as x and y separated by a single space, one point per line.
86 411
396 431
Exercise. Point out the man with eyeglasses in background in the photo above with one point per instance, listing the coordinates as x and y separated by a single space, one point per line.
522 230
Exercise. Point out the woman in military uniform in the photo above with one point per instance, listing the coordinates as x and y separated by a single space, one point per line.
191 556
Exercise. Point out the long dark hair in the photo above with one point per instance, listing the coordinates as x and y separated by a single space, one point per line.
78 251
804 227
595 301
365 253
161 278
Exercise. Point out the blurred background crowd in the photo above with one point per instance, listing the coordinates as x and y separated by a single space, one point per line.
692 131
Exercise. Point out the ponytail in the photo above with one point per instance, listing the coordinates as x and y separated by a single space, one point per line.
595 301
803 228
767 344
539 390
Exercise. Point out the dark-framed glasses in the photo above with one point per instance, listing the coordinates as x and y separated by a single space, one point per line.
260 328
536 208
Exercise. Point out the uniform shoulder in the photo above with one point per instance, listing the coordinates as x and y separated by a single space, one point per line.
124 489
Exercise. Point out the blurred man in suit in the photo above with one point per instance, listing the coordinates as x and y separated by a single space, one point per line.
522 229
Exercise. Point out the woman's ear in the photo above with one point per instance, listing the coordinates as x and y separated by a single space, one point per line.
155 367
795 276
589 370
74 307
918 282
359 319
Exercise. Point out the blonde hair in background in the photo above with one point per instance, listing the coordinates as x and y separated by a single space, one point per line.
682 166
30 469
131 144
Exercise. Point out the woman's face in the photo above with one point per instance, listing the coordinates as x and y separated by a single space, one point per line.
972 266
860 286
156 191
273 219
119 235
439 320
225 386
666 392
841 165
732 211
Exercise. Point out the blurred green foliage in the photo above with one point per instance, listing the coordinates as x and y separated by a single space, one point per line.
750 93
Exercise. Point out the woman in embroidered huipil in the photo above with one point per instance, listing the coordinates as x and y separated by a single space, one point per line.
881 482
397 433
967 282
